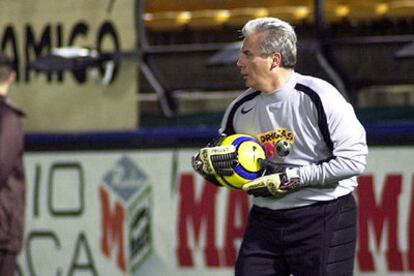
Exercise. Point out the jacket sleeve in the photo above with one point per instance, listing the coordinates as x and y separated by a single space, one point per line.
11 141
349 147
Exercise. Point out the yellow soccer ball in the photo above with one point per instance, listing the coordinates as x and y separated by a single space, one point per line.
249 152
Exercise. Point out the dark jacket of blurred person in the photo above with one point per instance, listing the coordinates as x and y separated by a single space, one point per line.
12 179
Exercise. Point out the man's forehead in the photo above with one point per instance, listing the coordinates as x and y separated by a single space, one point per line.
251 42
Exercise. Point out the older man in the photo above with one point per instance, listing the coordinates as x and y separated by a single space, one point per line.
303 219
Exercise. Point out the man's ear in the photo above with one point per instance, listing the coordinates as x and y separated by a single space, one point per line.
276 60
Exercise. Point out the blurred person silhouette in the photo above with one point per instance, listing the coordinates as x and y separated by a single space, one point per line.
303 219
12 178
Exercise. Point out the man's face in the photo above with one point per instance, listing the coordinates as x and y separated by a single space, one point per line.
254 67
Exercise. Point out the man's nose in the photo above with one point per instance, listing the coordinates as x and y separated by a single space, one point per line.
239 62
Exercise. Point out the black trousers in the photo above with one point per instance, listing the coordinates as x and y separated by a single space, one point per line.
314 240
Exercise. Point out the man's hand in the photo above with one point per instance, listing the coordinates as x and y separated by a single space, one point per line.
215 160
276 184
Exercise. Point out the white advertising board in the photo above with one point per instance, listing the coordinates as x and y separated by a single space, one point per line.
147 213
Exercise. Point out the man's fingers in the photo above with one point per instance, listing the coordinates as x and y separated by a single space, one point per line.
224 157
225 171
217 158
265 186
253 185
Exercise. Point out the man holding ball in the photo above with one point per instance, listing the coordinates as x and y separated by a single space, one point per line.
303 219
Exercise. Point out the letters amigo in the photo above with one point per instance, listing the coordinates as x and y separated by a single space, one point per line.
26 44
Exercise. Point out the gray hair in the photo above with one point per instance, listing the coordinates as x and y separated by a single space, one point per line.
279 37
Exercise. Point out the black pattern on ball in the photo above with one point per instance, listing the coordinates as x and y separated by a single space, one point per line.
283 148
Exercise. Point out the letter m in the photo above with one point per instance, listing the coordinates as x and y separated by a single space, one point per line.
112 228
377 215
193 214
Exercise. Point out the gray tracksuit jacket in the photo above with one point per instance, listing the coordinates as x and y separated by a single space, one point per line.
308 127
